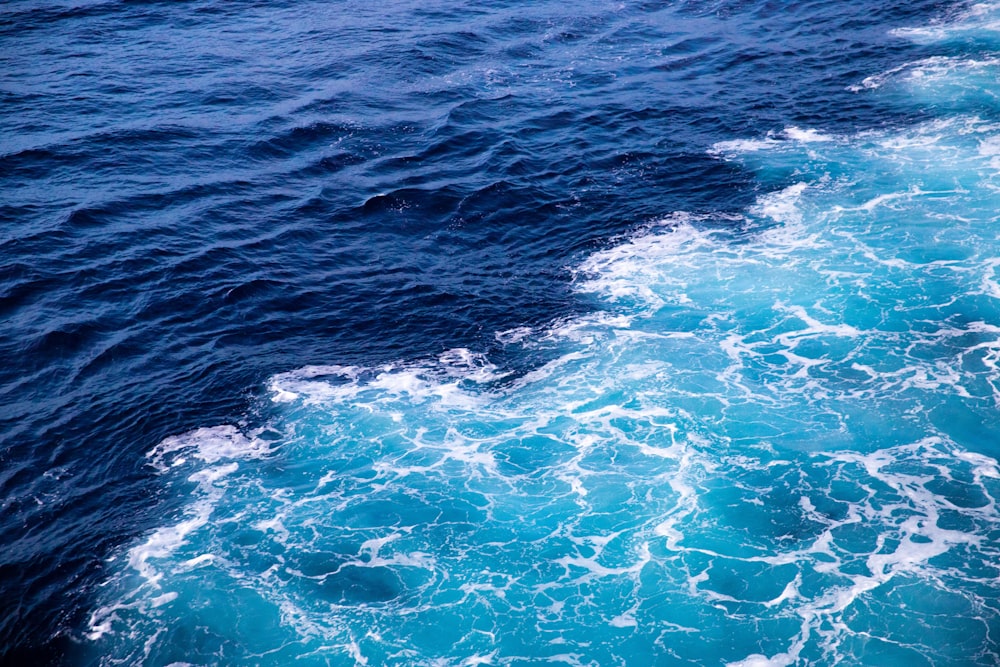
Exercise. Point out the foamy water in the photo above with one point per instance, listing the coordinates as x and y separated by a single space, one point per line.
771 443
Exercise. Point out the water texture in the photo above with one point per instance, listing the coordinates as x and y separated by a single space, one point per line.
627 333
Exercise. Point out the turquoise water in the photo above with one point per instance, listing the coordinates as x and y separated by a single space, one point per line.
772 442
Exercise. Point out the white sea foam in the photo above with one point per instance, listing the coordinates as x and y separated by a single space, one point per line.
512 336
912 523
758 660
699 432
208 445
806 136
791 136
929 71
739 146
639 270
978 18
782 206
440 382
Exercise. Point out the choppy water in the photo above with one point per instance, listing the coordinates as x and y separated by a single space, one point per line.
620 333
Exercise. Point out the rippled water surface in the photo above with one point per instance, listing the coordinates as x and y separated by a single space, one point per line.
624 333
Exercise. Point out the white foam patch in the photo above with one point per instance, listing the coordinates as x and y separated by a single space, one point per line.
782 206
471 366
930 71
980 18
807 135
641 270
440 382
790 137
513 336
208 445
164 541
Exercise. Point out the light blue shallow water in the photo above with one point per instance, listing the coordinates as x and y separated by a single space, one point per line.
773 442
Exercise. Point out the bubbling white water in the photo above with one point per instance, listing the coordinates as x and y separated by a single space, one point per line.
772 443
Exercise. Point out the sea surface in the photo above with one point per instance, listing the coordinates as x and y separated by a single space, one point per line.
500 333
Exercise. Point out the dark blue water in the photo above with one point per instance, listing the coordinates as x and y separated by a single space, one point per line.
294 225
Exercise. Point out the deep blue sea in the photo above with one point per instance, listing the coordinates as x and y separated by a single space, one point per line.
501 333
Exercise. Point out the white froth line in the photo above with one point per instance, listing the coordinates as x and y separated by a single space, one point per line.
196 562
595 570
908 556
815 327
572 659
161 600
879 200
164 541
355 652
790 592
791 135
512 336
415 383
990 285
984 465
283 384
928 68
736 146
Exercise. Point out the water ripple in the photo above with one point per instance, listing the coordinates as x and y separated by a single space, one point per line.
197 196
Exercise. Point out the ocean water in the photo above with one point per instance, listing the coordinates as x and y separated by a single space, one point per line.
500 333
